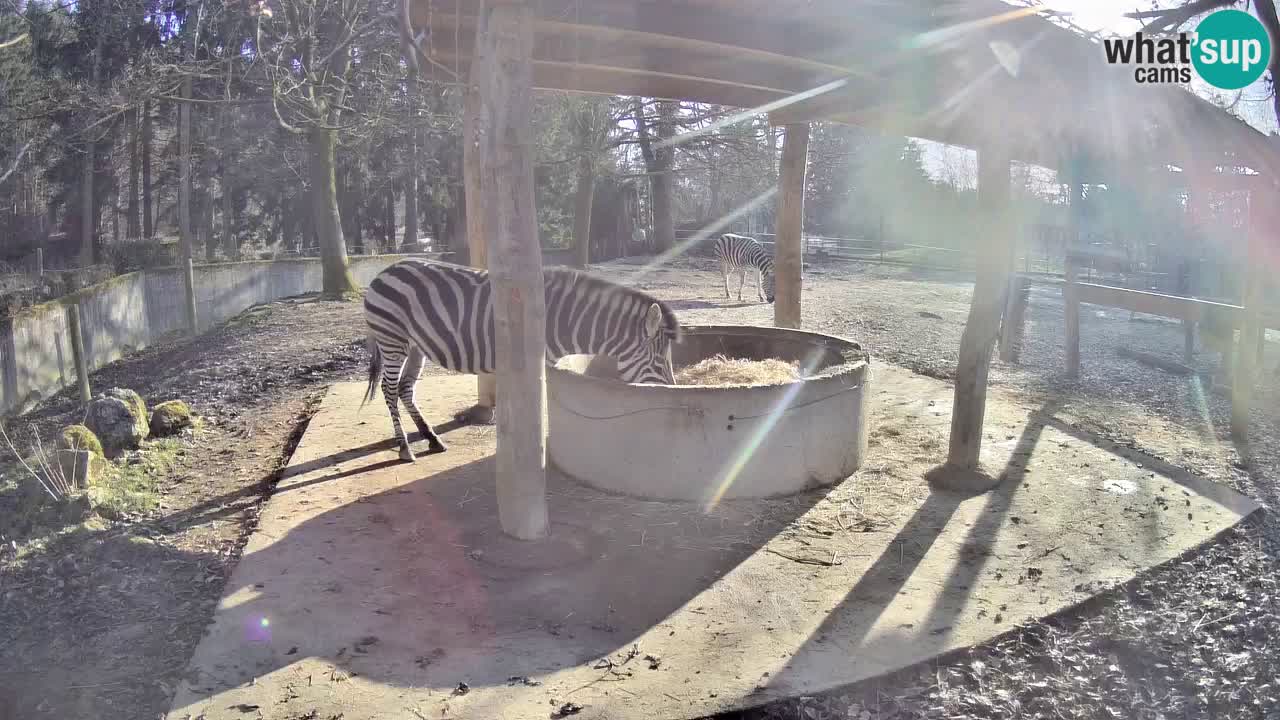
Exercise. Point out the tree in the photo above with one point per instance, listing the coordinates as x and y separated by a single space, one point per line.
310 66
591 126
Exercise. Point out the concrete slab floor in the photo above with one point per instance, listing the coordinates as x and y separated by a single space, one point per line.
375 589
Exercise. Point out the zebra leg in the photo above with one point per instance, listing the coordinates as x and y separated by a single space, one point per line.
406 391
742 280
760 284
393 361
724 275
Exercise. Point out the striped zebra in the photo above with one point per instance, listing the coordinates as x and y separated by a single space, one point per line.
739 253
418 310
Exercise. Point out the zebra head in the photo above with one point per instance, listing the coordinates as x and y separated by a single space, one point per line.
651 363
766 272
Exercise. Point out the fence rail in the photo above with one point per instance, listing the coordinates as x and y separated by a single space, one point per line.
874 250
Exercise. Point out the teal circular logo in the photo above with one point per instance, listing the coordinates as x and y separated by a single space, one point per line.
1231 49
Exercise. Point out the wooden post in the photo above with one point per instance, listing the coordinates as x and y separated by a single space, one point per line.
1251 328
189 292
505 144
1015 315
1012 294
882 236
1188 340
978 339
1070 298
788 249
477 233
77 352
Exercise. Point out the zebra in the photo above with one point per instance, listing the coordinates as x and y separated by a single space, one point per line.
418 310
738 253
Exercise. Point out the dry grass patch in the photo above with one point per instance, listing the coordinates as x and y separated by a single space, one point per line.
722 370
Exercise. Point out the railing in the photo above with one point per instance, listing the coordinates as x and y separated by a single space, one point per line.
870 250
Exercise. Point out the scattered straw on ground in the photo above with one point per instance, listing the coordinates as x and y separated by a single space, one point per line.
722 370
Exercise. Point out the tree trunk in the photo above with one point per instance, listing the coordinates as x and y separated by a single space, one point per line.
478 231
582 210
664 224
89 223
185 243
789 251
411 164
659 161
389 219
148 218
506 181
338 281
229 245
134 229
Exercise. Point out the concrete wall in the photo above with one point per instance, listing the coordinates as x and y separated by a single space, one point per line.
128 313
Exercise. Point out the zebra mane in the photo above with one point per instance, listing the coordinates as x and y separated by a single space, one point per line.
593 285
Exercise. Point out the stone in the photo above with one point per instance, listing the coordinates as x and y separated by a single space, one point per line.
79 437
170 418
118 417
81 468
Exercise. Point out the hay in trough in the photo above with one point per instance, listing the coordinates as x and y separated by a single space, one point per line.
722 370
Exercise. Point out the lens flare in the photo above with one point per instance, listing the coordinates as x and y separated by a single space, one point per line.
756 437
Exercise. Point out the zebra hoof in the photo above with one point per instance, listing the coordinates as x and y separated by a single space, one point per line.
434 448
406 454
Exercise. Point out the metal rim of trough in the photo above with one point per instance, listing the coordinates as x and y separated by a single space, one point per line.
709 443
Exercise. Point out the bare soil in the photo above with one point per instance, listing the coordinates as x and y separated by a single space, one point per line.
99 618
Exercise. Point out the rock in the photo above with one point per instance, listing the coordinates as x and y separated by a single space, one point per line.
81 468
119 418
170 418
79 437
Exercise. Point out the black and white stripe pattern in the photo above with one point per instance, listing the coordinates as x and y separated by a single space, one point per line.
419 310
739 253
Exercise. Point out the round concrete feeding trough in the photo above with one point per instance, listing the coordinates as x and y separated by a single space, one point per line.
709 443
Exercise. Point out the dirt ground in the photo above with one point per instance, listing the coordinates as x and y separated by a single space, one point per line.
98 618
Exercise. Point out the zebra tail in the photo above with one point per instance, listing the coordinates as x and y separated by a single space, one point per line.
375 370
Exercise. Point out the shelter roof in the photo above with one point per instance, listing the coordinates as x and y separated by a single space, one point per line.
967 72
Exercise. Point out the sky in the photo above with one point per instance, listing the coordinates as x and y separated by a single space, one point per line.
1107 17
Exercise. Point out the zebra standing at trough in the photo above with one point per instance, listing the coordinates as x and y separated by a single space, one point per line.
739 253
419 310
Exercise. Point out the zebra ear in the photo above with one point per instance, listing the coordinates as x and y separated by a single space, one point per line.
653 320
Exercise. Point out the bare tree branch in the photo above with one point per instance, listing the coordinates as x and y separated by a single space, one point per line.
16 159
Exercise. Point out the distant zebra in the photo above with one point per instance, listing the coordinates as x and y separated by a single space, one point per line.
739 253
419 310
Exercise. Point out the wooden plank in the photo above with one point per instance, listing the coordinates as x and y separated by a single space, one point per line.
789 249
504 78
778 36
979 337
1170 306
612 81
477 235
587 45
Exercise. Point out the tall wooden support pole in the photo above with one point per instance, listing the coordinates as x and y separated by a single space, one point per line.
505 144
1251 328
477 233
983 324
1070 298
789 249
